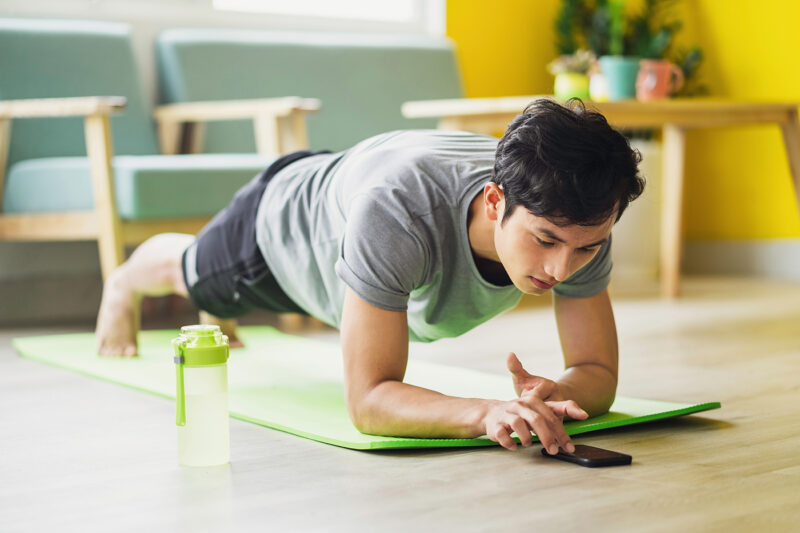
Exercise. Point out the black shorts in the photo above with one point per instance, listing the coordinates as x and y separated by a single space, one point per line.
223 268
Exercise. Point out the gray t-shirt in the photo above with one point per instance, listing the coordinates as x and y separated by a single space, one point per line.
388 218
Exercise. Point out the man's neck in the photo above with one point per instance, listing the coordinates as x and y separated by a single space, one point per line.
480 231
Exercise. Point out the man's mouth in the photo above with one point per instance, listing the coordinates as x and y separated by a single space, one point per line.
541 284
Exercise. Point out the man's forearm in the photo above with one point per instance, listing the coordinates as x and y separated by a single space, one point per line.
399 409
591 386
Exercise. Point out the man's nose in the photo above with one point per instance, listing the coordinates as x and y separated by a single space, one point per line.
558 264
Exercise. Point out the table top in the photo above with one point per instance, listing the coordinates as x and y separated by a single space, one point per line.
694 112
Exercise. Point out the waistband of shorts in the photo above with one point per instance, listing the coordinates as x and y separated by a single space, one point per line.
189 256
286 160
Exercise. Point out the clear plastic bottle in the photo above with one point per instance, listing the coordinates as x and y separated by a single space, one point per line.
201 356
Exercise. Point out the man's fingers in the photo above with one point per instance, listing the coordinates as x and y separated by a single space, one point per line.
520 427
543 422
544 389
531 413
568 408
542 429
540 407
563 439
501 435
561 409
513 364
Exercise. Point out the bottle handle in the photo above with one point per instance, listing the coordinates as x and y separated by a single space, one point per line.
180 397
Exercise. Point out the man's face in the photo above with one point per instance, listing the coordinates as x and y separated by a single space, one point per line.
538 254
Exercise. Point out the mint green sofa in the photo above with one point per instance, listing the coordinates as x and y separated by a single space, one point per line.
361 80
50 188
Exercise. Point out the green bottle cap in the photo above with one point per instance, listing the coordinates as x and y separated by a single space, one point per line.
197 346
201 346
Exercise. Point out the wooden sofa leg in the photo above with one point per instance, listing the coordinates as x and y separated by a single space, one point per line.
109 229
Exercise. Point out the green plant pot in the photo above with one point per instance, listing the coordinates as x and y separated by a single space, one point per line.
571 85
620 71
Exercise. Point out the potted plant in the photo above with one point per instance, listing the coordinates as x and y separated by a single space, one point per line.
571 73
620 42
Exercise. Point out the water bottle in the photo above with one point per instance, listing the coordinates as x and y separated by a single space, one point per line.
201 401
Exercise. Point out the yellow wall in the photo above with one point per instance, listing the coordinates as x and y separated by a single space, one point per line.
503 45
738 182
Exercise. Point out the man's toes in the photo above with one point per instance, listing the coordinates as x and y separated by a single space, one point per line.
130 351
106 349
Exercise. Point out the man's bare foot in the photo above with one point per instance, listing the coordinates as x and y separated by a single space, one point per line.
227 325
117 322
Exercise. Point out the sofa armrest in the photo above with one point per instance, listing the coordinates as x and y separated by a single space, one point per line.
61 107
279 123
234 109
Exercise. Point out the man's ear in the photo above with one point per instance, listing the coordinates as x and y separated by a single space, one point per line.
493 201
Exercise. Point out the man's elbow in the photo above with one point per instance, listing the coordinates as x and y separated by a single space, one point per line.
358 416
601 405
360 407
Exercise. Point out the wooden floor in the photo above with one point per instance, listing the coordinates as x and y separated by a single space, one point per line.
82 454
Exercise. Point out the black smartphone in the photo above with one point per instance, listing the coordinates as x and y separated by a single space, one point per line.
591 456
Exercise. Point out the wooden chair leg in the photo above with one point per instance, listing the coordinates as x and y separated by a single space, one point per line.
267 134
280 135
169 137
100 151
293 134
5 137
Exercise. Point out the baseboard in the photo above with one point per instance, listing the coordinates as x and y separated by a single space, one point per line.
775 258
48 299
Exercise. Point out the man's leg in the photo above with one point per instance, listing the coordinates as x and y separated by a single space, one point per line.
154 269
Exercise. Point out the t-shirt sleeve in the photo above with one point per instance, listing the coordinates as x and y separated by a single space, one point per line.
592 279
382 257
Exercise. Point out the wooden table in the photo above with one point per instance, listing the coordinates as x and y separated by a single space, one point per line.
674 117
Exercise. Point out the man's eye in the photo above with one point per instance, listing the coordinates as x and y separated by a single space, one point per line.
544 243
589 250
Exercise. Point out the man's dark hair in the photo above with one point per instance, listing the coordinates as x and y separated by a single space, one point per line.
566 164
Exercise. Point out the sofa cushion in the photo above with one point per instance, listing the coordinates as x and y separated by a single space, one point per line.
362 80
43 58
146 187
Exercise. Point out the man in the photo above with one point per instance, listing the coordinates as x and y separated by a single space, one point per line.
418 235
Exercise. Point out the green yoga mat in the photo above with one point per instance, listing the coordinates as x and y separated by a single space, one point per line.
295 385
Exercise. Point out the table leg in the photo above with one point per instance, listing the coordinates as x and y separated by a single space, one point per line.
791 138
674 155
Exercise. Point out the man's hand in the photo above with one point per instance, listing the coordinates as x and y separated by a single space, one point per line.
531 413
524 382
